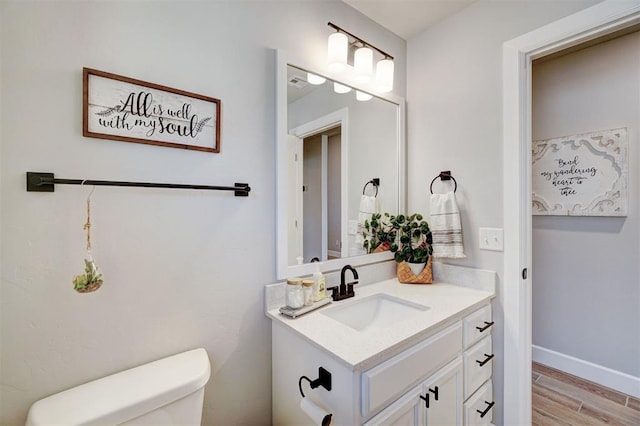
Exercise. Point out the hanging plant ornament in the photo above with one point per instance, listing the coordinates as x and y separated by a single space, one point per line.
91 280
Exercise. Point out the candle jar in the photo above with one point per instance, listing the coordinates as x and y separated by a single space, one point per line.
307 288
294 293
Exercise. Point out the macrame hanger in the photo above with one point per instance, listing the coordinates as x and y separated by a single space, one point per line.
92 278
87 225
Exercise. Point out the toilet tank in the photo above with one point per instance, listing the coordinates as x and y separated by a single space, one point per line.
169 391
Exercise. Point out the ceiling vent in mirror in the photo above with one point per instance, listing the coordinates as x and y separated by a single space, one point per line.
297 81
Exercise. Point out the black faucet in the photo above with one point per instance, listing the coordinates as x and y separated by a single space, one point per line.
345 290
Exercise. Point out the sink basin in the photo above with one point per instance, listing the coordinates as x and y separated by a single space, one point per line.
374 312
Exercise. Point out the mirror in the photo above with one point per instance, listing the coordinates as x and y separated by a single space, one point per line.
330 147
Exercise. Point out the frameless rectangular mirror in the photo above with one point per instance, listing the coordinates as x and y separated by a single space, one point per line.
329 147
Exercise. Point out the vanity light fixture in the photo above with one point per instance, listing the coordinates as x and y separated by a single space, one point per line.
363 65
384 75
338 53
341 88
316 80
362 96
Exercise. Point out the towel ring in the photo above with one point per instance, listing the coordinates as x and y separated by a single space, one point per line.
375 182
445 175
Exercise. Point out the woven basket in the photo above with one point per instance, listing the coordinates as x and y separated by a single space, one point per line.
407 277
381 247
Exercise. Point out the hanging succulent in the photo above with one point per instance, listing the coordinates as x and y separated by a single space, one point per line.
91 280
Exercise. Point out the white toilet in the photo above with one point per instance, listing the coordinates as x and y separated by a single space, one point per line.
169 391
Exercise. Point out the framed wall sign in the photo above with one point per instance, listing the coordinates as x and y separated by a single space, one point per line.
581 175
129 110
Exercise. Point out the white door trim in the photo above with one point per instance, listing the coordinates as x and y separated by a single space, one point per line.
325 202
597 21
334 119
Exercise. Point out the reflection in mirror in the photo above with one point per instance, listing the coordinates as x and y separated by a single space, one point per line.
329 147
341 144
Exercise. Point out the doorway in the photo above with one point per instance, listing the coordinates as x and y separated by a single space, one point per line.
585 294
317 171
602 19
321 196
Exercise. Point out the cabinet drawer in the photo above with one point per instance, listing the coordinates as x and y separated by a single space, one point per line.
477 325
478 366
408 410
478 410
386 381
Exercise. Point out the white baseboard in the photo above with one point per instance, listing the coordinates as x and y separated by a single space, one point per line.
604 376
334 254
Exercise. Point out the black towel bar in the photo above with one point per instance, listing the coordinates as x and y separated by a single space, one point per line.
444 175
375 182
45 182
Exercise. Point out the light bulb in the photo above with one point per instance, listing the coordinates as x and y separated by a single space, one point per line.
362 96
363 65
337 50
340 88
315 79
384 75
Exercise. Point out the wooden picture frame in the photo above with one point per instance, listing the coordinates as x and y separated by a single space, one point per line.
129 110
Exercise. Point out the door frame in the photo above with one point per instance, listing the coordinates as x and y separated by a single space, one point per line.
337 118
518 54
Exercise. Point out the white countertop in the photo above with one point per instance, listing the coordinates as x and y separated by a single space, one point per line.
359 349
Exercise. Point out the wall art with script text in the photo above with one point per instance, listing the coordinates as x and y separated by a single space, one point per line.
581 175
129 110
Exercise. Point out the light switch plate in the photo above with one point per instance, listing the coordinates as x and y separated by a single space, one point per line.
492 239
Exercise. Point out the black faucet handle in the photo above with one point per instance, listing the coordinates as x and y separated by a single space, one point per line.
335 292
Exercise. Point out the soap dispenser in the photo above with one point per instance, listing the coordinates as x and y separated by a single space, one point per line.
319 286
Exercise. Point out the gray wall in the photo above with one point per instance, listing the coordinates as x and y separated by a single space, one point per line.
183 269
312 198
586 289
454 86
372 147
334 193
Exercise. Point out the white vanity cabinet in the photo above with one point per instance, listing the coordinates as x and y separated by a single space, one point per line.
442 379
478 367
437 401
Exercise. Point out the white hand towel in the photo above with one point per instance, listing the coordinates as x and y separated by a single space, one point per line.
445 226
368 206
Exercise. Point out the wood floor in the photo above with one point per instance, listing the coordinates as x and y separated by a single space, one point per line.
562 399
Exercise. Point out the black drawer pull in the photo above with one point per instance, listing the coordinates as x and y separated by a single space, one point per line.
486 325
486 410
435 392
426 399
486 360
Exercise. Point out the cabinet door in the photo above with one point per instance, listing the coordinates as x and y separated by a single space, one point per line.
406 411
444 390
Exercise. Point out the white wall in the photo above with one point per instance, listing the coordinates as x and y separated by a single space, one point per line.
586 290
175 262
454 84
